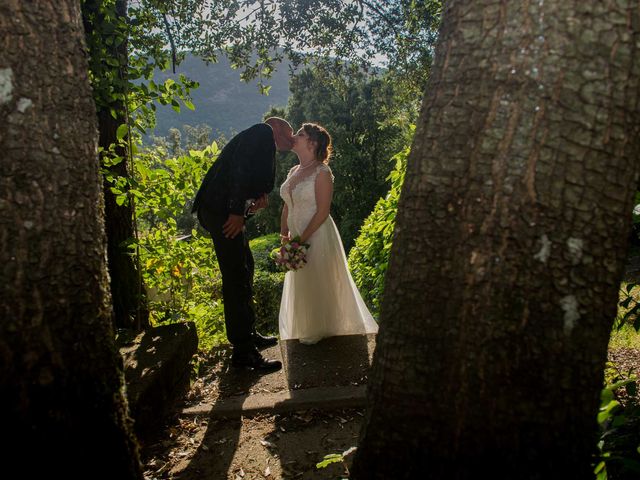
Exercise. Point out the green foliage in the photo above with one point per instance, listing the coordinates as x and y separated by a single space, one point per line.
619 410
178 263
261 248
369 258
122 83
624 336
169 186
629 306
407 38
180 276
329 459
267 283
257 35
267 292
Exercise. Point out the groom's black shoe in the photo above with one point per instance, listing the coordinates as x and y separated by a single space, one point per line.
255 361
263 341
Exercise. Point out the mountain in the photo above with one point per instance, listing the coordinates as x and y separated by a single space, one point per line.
222 101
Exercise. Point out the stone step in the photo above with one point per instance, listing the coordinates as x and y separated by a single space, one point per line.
282 402
330 374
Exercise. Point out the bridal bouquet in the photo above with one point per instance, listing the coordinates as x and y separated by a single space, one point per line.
291 256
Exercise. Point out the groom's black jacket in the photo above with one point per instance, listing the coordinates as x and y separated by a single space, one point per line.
245 169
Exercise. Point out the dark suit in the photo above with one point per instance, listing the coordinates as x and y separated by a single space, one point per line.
245 169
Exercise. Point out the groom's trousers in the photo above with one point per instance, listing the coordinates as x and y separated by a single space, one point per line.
237 267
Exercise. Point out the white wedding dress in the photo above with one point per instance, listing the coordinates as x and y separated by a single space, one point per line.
319 300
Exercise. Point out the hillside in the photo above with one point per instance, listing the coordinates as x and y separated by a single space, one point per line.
223 101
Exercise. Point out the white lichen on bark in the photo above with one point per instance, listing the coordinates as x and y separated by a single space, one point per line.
569 305
23 104
545 249
575 246
6 85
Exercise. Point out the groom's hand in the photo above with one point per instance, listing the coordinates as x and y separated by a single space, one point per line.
233 226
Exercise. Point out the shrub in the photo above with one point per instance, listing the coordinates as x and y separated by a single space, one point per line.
179 267
267 291
369 257
261 247
267 283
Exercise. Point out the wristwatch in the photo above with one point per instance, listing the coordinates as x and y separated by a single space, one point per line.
247 208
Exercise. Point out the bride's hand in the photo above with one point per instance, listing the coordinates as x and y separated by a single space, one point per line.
284 238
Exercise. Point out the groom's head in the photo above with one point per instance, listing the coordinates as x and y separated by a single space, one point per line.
282 133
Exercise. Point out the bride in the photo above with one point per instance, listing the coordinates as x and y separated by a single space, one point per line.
320 300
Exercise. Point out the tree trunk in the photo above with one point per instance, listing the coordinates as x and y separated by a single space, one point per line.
129 308
509 245
61 384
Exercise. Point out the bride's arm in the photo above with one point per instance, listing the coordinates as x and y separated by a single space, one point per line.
284 227
324 192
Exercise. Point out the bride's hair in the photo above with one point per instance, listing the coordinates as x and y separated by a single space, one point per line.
319 135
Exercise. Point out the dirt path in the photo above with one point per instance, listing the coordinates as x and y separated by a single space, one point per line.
260 446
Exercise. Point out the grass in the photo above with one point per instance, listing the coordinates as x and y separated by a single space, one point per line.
625 336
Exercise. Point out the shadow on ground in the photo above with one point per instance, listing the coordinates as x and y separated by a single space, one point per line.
289 444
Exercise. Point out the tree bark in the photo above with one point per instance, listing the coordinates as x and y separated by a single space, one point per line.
509 245
61 385
127 291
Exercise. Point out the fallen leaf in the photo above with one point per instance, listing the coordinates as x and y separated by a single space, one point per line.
267 472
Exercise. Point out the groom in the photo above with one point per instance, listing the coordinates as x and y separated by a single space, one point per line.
233 189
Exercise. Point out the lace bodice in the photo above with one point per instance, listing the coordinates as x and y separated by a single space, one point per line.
298 192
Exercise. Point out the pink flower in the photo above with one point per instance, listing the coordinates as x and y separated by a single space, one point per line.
291 256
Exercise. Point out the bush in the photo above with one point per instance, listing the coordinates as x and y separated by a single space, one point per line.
267 291
261 247
267 283
369 257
